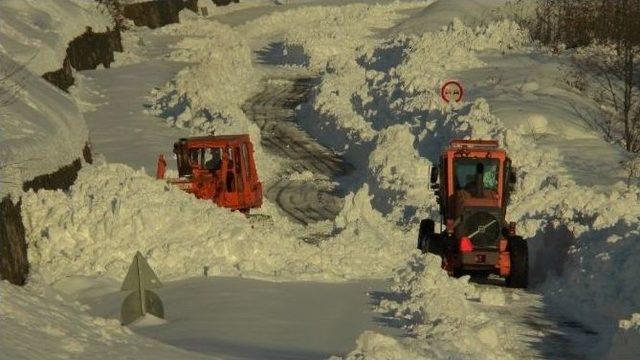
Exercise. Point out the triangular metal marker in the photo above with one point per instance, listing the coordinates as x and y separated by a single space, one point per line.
132 308
141 301
140 275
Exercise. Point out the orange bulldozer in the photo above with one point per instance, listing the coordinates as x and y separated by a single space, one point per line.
217 168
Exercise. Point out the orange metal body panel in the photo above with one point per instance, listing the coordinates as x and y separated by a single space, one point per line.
234 184
453 200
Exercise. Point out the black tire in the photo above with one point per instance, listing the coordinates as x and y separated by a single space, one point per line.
519 276
427 228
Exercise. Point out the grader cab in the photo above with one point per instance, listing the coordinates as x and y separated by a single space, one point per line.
472 183
217 168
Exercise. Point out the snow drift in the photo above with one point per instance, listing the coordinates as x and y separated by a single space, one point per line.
41 130
360 100
62 330
113 211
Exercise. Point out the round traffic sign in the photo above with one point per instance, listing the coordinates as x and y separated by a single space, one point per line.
451 90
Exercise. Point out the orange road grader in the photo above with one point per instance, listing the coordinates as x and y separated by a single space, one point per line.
217 168
472 183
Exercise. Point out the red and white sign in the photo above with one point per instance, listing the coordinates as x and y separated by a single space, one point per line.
451 90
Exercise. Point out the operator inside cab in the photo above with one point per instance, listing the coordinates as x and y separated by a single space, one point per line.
477 177
213 159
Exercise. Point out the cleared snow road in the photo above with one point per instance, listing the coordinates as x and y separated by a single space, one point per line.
251 319
273 110
120 128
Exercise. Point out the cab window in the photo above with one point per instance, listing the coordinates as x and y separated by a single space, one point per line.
213 159
468 170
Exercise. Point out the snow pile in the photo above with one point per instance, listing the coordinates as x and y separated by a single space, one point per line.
582 240
339 33
225 77
436 55
585 245
325 23
371 345
41 129
442 320
36 33
441 13
403 74
63 330
398 174
208 96
113 211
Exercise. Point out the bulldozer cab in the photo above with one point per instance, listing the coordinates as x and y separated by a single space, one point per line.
205 158
220 168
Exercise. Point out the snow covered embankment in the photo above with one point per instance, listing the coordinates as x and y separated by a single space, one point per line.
591 235
113 211
42 133
42 130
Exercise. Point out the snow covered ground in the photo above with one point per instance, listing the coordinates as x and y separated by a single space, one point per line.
35 33
41 130
249 319
380 67
116 104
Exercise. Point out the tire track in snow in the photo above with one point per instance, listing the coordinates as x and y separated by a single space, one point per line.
273 110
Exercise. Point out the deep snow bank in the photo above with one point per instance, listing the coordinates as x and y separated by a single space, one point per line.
582 240
437 311
113 211
41 130
207 97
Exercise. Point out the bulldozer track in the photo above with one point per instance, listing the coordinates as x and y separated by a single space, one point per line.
273 110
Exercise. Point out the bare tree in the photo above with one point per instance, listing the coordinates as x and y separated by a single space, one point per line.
632 166
613 27
620 27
